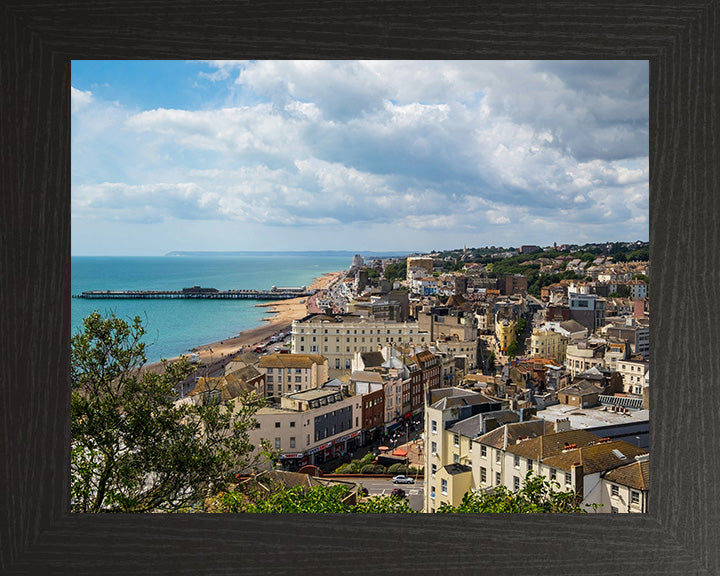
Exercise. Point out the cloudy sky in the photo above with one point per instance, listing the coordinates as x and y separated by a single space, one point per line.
356 155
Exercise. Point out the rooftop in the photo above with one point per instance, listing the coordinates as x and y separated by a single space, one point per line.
590 417
291 360
363 376
635 475
473 427
598 457
453 469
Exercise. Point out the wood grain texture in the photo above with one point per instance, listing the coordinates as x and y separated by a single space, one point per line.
39 39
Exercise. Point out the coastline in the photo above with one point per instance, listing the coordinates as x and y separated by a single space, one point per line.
280 317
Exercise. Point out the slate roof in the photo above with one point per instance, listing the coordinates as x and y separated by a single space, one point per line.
470 399
473 427
582 388
635 475
454 469
372 359
532 428
572 326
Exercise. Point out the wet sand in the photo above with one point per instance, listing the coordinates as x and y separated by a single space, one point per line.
281 315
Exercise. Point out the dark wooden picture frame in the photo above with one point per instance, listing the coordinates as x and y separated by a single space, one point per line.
680 535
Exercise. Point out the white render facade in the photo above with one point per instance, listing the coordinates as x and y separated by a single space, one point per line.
338 338
297 426
633 374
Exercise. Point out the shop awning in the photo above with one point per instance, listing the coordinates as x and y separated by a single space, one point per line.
399 452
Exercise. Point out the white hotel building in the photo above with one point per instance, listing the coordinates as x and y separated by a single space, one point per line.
339 337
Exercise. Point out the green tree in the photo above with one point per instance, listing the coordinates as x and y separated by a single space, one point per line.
396 271
133 449
491 361
537 495
302 499
512 349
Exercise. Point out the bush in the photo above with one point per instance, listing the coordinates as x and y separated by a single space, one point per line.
345 469
367 459
380 469
396 469
368 469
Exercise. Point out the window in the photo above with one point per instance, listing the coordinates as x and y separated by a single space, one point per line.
277 443
456 440
483 475
614 490
516 483
483 451
432 491
553 474
307 442
497 457
456 459
517 461
433 427
634 497
277 424
443 486
434 447
292 442
530 464
292 424
568 478
498 479
434 469
614 510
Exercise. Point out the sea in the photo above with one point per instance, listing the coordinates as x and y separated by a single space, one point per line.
175 326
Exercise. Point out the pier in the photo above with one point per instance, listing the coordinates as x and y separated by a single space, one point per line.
198 293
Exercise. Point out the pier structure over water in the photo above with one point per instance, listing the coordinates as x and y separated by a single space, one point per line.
199 293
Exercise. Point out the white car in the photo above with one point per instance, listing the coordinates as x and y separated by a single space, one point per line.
403 480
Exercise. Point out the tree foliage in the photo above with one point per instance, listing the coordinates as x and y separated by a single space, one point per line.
396 270
133 448
537 495
302 499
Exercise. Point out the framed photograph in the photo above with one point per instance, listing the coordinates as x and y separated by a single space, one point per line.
679 533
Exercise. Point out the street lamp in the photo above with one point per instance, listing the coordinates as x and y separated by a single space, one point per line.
407 448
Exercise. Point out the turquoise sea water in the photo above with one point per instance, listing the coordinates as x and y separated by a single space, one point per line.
175 326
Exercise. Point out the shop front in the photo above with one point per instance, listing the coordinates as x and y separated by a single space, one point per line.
292 461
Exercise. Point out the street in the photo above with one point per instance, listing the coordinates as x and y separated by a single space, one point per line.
384 486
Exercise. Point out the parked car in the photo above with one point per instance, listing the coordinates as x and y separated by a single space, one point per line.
401 479
398 493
